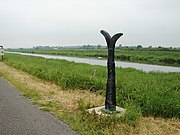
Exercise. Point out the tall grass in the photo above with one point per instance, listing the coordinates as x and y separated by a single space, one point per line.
156 94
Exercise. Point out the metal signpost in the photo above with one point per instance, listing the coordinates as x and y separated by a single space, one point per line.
1 51
110 102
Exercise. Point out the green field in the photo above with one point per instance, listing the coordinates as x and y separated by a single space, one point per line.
150 56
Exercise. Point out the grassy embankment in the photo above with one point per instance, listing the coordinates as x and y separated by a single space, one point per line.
142 94
149 56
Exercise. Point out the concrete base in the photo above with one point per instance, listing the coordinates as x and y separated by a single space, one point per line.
104 112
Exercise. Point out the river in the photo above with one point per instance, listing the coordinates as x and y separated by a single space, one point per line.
143 67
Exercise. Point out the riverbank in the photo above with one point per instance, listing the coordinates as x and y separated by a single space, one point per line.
54 99
155 56
142 67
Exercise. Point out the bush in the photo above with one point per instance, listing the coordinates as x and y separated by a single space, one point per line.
169 60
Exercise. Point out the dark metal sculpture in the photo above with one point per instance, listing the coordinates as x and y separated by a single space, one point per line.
110 103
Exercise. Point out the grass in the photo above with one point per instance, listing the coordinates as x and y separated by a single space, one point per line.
157 94
142 94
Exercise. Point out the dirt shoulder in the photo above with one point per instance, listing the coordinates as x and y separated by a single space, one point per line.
68 99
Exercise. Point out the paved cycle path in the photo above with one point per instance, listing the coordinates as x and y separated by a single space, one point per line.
19 117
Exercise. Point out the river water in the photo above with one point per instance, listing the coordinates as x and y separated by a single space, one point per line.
143 67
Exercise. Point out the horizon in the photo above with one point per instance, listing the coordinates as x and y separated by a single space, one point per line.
92 45
27 23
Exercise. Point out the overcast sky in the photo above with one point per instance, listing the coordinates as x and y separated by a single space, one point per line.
28 23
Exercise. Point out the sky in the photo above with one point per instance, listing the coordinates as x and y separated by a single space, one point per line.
28 23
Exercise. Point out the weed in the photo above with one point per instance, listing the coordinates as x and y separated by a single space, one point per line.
83 105
32 95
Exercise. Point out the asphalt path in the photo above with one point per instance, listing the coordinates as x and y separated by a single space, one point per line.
18 116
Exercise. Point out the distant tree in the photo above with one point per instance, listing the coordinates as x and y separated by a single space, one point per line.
139 46
159 47
149 46
99 46
119 47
